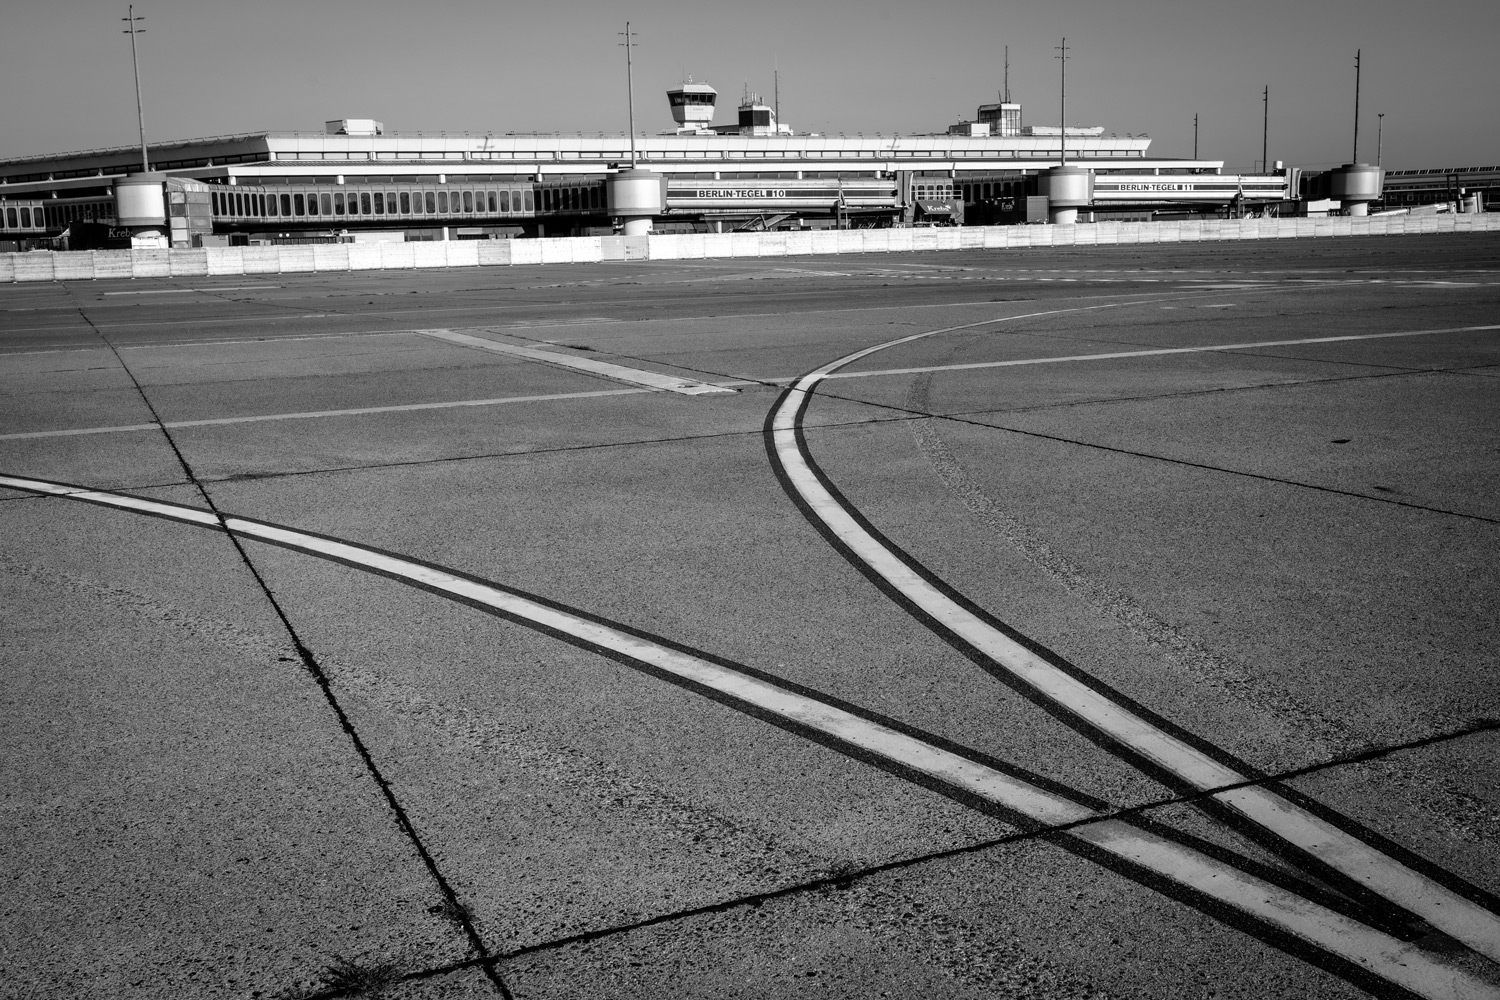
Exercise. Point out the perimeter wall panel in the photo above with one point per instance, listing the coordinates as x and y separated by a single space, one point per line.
75 265
143 263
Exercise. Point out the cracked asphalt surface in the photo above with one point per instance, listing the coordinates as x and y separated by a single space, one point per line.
1259 502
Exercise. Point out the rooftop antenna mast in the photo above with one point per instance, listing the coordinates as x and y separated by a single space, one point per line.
140 112
1005 98
630 90
776 98
1062 56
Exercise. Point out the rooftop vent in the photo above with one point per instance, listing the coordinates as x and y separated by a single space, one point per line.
354 126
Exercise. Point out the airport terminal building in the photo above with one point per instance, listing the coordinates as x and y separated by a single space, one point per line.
357 181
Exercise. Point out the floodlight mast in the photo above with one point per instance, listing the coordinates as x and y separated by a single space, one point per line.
630 90
135 63
1062 57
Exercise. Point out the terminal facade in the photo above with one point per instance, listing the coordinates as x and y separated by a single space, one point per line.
355 180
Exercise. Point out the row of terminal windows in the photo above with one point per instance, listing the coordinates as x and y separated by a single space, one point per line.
357 203
254 204
984 192
57 216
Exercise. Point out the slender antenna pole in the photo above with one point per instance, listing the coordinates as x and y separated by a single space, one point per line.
1265 131
1356 107
1006 98
1062 55
135 63
1195 135
776 99
1379 137
630 90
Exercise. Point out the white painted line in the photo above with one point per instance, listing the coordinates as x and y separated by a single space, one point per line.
319 414
1425 973
635 376
1462 919
1152 352
188 291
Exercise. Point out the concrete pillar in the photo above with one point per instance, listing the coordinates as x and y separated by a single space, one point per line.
1356 185
637 196
1067 189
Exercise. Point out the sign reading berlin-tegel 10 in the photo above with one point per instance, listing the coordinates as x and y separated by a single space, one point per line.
740 193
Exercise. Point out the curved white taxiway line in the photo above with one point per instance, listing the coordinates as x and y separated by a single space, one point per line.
1424 973
1455 915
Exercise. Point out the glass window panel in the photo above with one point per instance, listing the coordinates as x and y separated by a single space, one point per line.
327 200
494 204
312 204
299 205
468 201
390 202
443 201
364 203
26 218
379 202
338 203
286 204
270 204
530 201
505 201
405 203
12 219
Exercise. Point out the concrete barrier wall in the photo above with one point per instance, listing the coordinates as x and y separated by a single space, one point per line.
79 265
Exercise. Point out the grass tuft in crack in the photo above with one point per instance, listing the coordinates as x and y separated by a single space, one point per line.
352 978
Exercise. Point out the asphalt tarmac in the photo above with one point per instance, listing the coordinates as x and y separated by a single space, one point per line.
1114 622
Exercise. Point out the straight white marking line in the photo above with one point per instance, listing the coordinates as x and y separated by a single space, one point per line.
1152 352
1460 918
635 376
188 291
1424 973
318 414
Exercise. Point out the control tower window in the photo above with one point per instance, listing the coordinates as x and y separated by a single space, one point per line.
353 203
364 203
11 218
530 202
431 202
379 202
312 204
505 201
468 201
405 203
442 202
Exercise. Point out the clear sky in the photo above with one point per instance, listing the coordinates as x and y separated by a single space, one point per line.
213 67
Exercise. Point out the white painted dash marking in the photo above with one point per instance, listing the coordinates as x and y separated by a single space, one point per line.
635 376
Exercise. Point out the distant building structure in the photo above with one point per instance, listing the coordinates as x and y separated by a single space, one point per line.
357 180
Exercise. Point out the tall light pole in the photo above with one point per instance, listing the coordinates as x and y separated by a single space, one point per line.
1062 57
630 90
135 63
1265 130
1355 159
